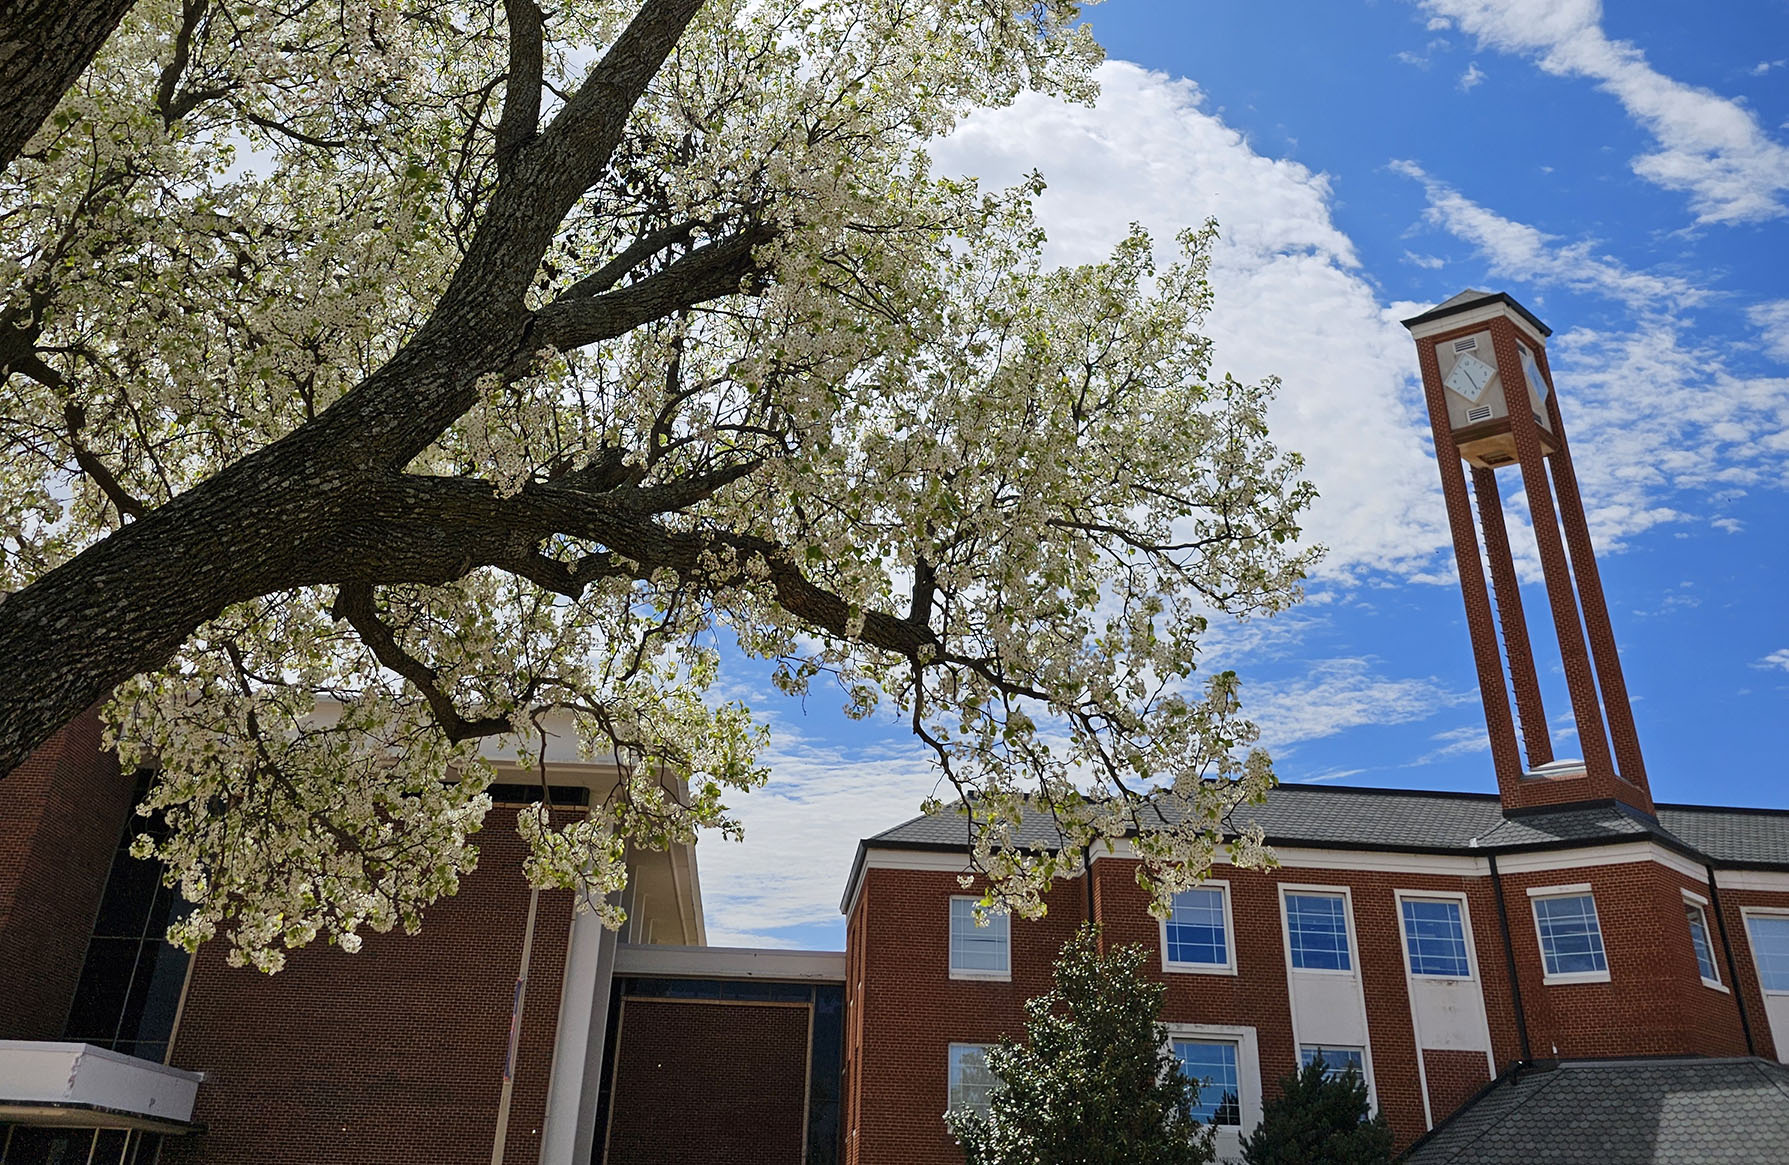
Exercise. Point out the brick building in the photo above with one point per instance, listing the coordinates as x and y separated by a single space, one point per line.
1542 937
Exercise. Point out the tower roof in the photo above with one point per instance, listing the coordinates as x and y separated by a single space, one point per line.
1471 298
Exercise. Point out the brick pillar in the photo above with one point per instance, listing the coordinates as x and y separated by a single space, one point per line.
1537 740
1498 722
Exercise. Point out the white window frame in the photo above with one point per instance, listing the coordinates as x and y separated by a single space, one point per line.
1701 904
1347 897
1248 1076
950 950
1225 968
1747 913
1574 890
950 1063
1398 898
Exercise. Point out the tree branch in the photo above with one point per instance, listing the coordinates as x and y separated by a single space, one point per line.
75 417
354 603
49 44
521 95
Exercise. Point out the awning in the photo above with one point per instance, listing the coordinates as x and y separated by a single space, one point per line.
79 1085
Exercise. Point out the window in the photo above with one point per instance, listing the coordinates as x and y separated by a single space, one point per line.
1770 947
1197 934
1571 940
970 1081
1435 937
1336 1060
1698 921
1317 931
132 977
978 952
1211 1066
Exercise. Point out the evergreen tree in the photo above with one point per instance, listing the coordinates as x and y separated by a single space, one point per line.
1094 1083
1320 1118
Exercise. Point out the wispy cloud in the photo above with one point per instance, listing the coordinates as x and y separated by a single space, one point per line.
1772 321
1763 67
1776 659
1426 262
1710 147
1519 251
1335 695
1471 78
1462 741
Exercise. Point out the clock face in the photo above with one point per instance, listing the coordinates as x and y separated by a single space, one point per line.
1536 383
1469 376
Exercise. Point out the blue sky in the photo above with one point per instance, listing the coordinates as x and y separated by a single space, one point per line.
1625 174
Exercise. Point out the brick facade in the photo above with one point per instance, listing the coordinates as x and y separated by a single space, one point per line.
906 1009
710 1082
61 814
394 1054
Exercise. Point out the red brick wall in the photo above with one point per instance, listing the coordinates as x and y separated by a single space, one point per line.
392 1055
61 814
1732 904
1654 1002
710 1082
1454 1077
912 1010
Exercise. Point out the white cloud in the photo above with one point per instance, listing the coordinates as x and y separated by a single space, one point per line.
1519 251
1776 659
1772 319
1339 694
1471 77
1416 59
1462 741
1763 67
1711 147
1439 24
1290 298
1426 262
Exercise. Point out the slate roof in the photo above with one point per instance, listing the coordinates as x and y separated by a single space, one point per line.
1620 1112
1335 816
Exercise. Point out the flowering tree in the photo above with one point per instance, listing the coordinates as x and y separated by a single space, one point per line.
448 367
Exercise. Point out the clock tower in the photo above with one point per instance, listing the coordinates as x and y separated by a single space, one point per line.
1492 406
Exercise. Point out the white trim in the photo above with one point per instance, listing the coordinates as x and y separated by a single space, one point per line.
941 861
1767 881
1619 854
1001 976
661 961
1574 890
950 1064
1559 891
1226 968
1347 896
1492 310
1692 896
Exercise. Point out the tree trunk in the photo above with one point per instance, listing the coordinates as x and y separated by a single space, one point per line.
44 46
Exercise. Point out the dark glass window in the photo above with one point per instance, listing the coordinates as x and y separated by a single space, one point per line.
130 982
34 1145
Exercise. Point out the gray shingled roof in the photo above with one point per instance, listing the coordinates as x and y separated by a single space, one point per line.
1621 1112
1332 815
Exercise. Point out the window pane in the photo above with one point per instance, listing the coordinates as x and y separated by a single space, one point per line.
1435 938
101 992
1770 946
1571 941
1196 928
1336 1060
1317 926
1699 939
977 948
130 891
1211 1066
970 1080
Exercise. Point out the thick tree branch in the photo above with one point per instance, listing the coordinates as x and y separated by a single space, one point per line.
76 419
45 45
521 94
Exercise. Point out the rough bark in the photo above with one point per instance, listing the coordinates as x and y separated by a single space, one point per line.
329 503
44 46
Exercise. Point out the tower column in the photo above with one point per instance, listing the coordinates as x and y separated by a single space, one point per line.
1537 741
1580 680
1498 723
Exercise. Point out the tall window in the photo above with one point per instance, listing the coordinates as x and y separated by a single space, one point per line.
1435 937
1698 921
1317 931
1336 1059
131 981
970 1081
978 952
1770 947
1571 939
1197 935
1211 1065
